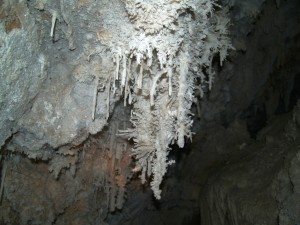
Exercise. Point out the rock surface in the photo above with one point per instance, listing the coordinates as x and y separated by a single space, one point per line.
261 186
63 162
23 66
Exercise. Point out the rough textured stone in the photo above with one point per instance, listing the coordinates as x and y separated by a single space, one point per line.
85 184
47 105
259 188
22 67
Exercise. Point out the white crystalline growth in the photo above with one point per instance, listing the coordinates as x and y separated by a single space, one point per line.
173 45
153 15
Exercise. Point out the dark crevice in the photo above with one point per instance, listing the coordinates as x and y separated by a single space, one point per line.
295 93
256 118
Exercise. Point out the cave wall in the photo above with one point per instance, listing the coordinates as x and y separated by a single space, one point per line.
239 173
262 70
54 172
258 183
59 75
23 65
79 185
